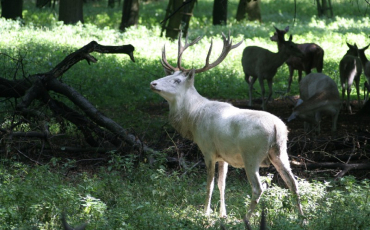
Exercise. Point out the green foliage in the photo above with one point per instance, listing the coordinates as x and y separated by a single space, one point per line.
125 196
148 198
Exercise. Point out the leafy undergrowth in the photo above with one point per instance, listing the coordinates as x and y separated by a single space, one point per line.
122 195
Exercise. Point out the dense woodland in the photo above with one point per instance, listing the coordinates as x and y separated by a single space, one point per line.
82 133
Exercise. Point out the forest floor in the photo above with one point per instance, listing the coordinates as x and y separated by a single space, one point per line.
320 156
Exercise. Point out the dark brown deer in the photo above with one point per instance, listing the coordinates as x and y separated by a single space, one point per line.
313 58
350 70
262 64
366 67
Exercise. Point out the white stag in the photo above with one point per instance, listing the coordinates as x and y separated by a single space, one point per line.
225 134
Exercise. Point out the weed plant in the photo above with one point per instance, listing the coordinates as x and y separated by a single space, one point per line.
124 196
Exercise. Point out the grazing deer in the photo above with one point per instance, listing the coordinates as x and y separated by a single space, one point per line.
318 94
366 67
262 64
225 134
350 70
313 58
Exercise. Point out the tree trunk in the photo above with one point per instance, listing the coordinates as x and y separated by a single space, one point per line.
178 15
11 9
43 3
220 12
130 14
252 8
186 16
174 23
71 11
324 8
111 3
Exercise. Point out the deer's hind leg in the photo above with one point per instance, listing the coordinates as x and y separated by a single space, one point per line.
281 162
252 171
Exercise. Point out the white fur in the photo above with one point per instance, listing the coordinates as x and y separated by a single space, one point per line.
227 135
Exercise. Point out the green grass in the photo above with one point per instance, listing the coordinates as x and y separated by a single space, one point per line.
124 196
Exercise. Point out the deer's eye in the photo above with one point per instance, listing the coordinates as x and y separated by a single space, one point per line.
177 81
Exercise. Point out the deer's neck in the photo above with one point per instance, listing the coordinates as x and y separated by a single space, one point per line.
277 59
363 58
185 112
317 102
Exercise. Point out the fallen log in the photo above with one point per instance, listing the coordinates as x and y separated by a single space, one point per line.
96 128
344 167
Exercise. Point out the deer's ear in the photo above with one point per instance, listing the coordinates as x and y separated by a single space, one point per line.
191 74
287 29
349 45
167 71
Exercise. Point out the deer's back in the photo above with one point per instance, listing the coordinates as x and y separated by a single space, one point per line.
350 65
255 60
231 131
314 55
316 83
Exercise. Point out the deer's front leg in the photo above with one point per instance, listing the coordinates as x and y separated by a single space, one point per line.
222 172
210 184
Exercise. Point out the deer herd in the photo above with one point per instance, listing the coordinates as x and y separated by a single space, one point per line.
251 139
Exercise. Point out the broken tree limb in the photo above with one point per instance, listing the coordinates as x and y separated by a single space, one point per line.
84 54
332 165
95 126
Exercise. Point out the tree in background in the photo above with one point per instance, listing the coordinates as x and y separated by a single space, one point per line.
42 3
252 8
219 12
178 15
11 9
111 3
324 8
71 11
130 14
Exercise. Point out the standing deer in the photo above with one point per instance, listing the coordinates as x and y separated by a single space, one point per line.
318 94
262 64
313 58
350 70
366 67
225 134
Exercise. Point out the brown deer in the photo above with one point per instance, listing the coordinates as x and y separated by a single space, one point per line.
350 70
318 95
313 58
225 134
262 64
366 67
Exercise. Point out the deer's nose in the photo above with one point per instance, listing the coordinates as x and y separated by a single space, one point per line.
153 85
